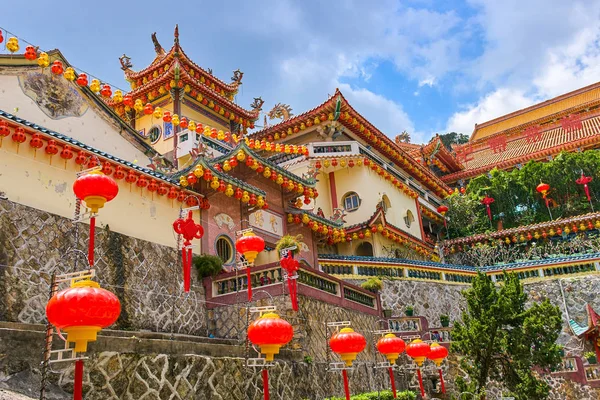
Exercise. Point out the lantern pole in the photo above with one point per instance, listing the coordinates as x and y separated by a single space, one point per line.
48 343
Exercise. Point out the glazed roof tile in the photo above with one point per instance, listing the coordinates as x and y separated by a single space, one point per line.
314 216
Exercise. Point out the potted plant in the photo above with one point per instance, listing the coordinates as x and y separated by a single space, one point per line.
207 265
288 241
387 313
445 320
409 310
590 356
372 284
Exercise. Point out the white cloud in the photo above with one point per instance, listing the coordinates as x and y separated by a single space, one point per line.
495 104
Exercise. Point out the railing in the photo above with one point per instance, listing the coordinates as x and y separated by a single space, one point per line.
338 269
259 279
572 269
459 278
359 297
568 364
428 275
318 282
394 272
338 149
592 373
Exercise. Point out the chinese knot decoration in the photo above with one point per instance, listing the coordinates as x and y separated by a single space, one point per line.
391 347
82 311
487 201
291 265
190 231
584 180
437 354
95 189
270 333
418 351
249 245
347 344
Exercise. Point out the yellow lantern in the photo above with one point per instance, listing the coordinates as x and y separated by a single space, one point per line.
354 236
379 228
198 171
551 232
367 233
326 163
507 240
13 45
290 218
226 166
183 181
290 185
255 165
43 61
245 197
315 227
267 172
260 202
240 156
522 238
567 230
157 113
536 235
305 219
137 106
70 74
221 135
229 191
359 162
175 120
300 188
192 126
214 183
279 179
597 224
582 227
117 97
94 86
343 162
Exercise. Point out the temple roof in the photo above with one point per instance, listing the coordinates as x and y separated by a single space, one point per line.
436 153
553 138
566 103
337 108
174 69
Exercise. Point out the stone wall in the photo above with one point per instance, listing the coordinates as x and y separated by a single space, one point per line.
145 276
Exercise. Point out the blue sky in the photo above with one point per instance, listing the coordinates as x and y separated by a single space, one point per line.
422 65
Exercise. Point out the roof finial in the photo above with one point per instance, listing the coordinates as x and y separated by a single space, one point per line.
176 33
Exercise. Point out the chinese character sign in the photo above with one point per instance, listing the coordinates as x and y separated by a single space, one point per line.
465 153
497 144
532 134
571 123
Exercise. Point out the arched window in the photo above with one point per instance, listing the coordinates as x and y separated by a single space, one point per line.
409 218
351 201
154 133
364 249
385 203
224 249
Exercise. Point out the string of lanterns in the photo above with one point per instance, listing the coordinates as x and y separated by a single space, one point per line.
335 235
366 162
87 159
432 216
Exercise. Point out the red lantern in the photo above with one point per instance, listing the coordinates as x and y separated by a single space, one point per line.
51 148
318 165
418 351
152 186
334 162
167 116
57 68
82 80
142 182
19 136
128 100
106 91
183 123
81 158
437 355
191 178
66 154
36 142
238 193
190 231
119 173
30 53
96 189
82 311
148 109
162 189
207 175
543 188
351 163
347 344
249 245
391 347
442 209
269 332
173 194
131 177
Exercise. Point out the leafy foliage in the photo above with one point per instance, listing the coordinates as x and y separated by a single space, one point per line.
383 395
207 265
517 202
372 284
450 138
288 241
502 340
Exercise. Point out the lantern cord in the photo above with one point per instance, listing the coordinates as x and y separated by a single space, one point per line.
442 380
78 381
420 382
265 377
346 386
393 382
47 344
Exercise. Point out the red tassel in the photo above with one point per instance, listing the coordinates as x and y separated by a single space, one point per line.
293 288
442 381
187 267
91 241
393 382
346 387
78 381
421 382
265 376
249 277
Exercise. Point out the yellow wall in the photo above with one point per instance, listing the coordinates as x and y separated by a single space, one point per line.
36 183
190 114
93 128
370 187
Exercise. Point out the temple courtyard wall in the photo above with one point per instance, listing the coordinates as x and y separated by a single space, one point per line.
170 345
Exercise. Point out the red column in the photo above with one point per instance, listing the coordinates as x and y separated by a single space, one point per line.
333 191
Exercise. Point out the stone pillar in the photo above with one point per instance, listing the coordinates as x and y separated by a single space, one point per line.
597 265
443 276
355 269
405 272
541 272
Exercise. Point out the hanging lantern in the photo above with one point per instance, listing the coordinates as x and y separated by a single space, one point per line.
148 109
30 53
437 354
106 91
249 245
57 68
128 101
183 123
190 231
418 351
391 347
162 189
543 188
69 74
12 44
82 311
94 86
66 154
117 97
269 333
167 116
43 60
192 178
95 188
82 80
19 137
347 344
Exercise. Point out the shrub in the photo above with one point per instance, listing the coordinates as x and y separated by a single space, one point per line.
372 285
383 395
207 265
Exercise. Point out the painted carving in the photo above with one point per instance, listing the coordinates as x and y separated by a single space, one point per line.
224 219
57 98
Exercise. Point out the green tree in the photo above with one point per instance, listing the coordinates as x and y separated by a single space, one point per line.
448 139
504 341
